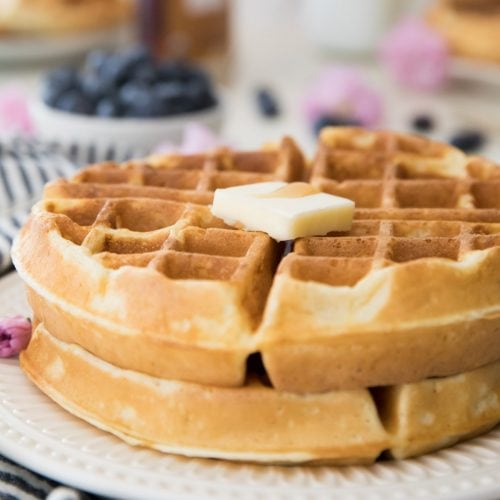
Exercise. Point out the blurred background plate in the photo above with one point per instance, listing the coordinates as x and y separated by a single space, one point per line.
19 50
476 71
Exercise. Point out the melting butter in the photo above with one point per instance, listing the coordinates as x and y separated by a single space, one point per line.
284 211
292 190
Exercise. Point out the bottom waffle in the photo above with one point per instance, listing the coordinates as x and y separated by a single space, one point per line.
257 423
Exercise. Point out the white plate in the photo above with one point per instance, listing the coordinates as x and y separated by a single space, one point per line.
476 71
37 433
25 49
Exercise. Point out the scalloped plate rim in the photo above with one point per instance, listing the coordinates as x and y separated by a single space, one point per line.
118 479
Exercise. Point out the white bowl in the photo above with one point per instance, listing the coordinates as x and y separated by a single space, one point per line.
115 138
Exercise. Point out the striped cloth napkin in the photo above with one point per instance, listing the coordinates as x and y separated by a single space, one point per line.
18 483
25 166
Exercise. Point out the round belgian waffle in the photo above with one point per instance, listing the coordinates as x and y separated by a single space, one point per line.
211 341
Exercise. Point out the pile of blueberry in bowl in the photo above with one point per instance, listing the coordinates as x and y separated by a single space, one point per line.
124 99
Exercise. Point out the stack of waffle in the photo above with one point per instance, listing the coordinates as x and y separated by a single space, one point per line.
471 27
161 324
55 17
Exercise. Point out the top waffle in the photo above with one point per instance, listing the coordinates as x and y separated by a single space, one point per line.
412 291
386 171
191 178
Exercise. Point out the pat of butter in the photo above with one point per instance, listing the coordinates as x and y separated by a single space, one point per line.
284 211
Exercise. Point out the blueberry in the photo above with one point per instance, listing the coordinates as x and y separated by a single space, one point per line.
95 88
334 121
174 71
468 140
145 73
73 101
50 94
122 67
138 55
64 77
129 84
199 95
108 108
423 123
267 103
57 82
96 61
138 100
115 72
128 93
171 98
168 90
193 73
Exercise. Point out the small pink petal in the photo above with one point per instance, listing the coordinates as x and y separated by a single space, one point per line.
165 148
15 334
198 138
14 113
416 55
342 91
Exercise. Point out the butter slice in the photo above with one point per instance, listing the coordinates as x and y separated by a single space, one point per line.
284 211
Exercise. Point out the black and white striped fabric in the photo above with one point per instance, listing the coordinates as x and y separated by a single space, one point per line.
24 169
25 166
18 483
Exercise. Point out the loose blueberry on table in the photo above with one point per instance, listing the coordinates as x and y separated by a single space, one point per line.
423 122
468 141
131 84
334 121
267 102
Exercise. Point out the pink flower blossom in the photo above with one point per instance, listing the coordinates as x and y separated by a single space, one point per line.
342 91
14 113
196 139
15 334
416 55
